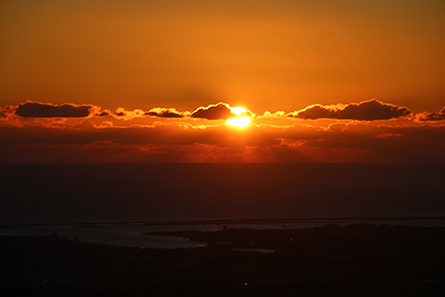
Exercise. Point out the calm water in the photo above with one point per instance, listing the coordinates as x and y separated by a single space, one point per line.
36 194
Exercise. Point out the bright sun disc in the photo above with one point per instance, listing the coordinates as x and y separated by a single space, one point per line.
240 122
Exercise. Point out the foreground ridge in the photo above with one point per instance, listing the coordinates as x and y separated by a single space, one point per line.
354 260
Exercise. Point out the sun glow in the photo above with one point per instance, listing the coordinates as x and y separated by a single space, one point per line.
237 110
242 118
240 122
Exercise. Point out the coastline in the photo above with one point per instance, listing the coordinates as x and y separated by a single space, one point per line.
128 233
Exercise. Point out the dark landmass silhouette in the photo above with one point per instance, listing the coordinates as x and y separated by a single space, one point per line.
354 260
321 220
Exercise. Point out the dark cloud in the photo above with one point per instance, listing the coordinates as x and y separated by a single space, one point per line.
124 114
164 113
6 111
220 111
103 114
370 110
43 110
431 117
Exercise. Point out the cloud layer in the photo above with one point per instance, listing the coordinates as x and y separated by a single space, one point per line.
41 132
370 110
219 111
175 143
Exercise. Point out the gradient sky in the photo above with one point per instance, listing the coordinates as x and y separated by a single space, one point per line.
130 81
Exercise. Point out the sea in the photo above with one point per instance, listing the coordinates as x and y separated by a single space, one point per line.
115 203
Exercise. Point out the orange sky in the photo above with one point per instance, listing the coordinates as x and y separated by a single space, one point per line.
274 58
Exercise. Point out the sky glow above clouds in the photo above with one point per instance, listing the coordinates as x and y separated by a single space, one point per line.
156 81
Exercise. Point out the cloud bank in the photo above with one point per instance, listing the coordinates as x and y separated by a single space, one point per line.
43 132
176 143
370 110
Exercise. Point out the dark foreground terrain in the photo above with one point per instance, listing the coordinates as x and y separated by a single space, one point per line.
354 260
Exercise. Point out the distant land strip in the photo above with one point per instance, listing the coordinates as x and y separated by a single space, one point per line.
224 221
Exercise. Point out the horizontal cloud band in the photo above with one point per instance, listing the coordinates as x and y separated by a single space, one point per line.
299 143
370 110
85 133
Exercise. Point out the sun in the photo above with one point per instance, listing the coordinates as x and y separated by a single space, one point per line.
241 120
